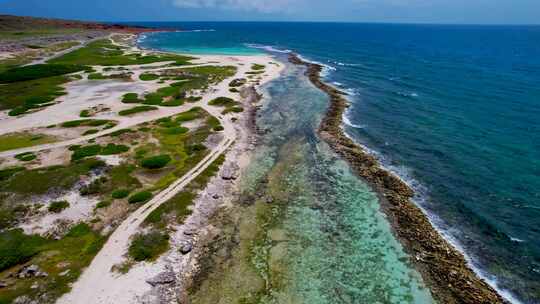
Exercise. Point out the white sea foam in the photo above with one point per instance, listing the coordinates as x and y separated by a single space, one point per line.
196 31
268 48
349 123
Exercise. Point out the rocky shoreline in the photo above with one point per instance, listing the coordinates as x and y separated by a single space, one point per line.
443 268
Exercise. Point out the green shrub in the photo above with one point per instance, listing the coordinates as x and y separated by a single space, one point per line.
148 246
57 207
27 156
84 123
156 162
131 98
90 132
103 204
258 67
111 149
153 99
222 102
148 77
237 82
120 193
136 110
140 197
17 247
97 76
218 128
86 151
85 113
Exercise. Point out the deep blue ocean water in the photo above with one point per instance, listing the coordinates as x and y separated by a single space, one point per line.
455 110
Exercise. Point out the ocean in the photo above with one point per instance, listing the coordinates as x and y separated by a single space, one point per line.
454 110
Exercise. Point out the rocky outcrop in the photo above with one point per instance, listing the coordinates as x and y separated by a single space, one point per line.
443 267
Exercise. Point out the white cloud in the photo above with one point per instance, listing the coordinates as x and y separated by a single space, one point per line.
265 6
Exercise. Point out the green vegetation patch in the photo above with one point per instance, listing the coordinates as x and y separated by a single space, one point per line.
178 206
237 82
37 71
13 141
85 123
120 193
156 162
137 109
230 105
148 246
27 156
131 98
17 247
80 152
42 180
258 67
140 197
76 250
57 207
148 77
32 94
103 52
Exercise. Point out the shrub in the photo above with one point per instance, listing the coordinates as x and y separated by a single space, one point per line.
28 156
233 90
57 207
85 113
90 132
153 99
120 193
84 122
140 197
258 67
131 98
86 151
136 110
148 77
97 76
222 101
111 149
218 128
237 82
103 204
148 246
156 162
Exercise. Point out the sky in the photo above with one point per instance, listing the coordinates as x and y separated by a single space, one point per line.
394 11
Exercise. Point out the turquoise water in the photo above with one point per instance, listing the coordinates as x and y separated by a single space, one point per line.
339 246
455 110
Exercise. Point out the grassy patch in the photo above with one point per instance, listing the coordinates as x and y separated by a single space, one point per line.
38 71
42 180
85 123
57 207
148 246
32 94
17 247
13 141
140 197
80 152
178 206
258 67
103 52
230 105
136 110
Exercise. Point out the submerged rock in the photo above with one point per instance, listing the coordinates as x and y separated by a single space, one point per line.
186 248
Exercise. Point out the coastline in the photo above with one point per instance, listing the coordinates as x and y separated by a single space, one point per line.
442 266
144 282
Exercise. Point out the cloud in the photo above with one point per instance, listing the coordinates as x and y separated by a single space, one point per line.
264 6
